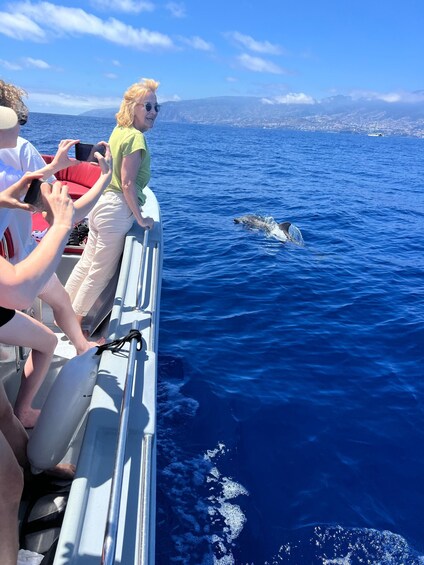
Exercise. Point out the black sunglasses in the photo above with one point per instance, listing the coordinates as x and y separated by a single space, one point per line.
148 106
22 119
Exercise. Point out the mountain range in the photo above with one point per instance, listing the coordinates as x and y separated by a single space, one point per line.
333 114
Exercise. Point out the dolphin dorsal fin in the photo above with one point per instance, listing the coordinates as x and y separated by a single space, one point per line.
284 226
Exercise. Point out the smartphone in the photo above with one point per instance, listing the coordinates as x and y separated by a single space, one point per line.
33 195
85 151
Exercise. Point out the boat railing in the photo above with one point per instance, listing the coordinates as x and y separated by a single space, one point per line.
111 531
143 297
144 503
139 305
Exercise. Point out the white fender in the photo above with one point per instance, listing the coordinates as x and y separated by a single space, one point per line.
63 410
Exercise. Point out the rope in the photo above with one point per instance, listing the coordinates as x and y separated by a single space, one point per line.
117 344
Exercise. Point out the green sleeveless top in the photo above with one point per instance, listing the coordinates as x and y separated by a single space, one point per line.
123 142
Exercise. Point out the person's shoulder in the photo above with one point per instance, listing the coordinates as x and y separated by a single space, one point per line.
119 132
10 156
125 135
132 132
25 145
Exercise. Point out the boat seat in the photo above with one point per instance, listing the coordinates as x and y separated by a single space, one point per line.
79 178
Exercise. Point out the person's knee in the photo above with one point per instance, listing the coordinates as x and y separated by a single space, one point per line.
47 344
56 297
51 342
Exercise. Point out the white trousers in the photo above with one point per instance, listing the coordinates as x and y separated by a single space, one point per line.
109 222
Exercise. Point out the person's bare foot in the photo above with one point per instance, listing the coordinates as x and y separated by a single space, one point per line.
62 471
28 417
90 345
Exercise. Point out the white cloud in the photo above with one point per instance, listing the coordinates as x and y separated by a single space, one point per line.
177 9
39 101
19 26
10 66
390 97
295 98
172 98
231 79
25 62
128 6
197 43
116 63
111 76
74 21
254 45
37 63
259 65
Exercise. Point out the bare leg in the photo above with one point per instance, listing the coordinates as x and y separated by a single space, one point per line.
13 442
56 296
12 429
27 332
11 485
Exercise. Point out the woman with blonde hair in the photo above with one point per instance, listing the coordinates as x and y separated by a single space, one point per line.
121 204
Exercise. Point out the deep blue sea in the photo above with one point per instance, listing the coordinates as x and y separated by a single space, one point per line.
291 381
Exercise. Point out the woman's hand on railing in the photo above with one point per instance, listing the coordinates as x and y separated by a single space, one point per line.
147 223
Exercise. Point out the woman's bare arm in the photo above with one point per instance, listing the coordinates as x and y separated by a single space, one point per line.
21 283
60 160
84 204
129 169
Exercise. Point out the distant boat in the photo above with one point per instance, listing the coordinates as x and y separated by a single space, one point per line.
375 134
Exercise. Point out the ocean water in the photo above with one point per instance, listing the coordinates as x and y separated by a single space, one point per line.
291 389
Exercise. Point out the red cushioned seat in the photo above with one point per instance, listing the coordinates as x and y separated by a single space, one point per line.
38 222
79 178
75 190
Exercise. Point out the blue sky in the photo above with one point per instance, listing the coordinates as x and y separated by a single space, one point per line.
75 56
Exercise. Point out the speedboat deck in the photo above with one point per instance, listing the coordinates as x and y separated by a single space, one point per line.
109 511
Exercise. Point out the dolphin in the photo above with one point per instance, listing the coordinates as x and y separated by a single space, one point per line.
284 231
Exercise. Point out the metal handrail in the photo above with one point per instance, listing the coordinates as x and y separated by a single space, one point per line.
127 276
154 298
145 500
111 530
142 269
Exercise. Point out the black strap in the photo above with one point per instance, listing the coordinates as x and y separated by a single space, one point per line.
118 344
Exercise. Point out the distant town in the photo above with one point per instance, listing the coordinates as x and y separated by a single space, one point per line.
336 114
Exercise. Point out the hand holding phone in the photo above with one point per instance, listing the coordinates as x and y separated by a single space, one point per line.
34 196
85 151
